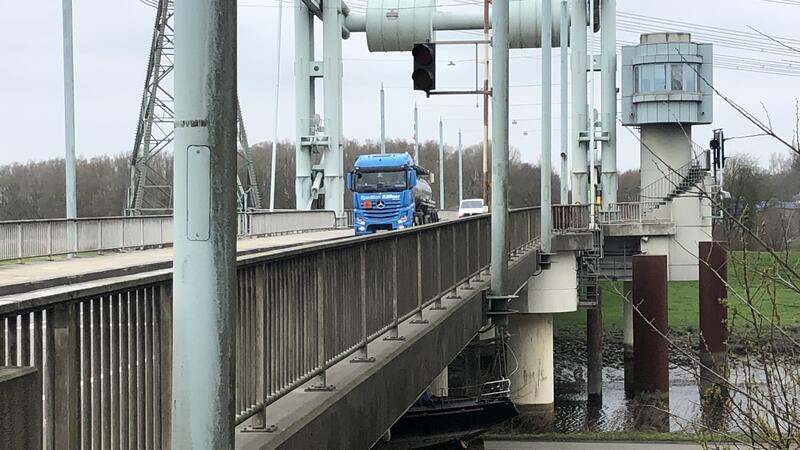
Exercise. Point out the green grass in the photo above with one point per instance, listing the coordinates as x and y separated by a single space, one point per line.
683 295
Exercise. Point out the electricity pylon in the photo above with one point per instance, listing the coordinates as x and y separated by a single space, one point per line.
150 183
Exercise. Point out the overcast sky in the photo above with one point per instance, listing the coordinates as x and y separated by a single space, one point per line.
112 43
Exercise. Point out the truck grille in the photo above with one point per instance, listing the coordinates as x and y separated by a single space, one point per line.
388 211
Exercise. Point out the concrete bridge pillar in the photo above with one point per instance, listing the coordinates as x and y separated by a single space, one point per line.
531 342
531 364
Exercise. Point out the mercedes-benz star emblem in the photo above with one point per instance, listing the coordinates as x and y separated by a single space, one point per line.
380 204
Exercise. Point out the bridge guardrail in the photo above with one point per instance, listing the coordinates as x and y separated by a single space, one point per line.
635 212
46 238
103 351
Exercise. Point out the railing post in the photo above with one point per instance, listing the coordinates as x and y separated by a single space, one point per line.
321 382
165 362
394 334
141 232
99 236
437 305
19 243
50 241
363 351
454 294
469 266
418 319
478 253
66 367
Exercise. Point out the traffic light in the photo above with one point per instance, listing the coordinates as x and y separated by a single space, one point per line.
424 74
718 146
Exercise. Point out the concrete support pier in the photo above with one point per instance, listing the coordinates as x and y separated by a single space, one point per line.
531 369
651 349
627 337
713 331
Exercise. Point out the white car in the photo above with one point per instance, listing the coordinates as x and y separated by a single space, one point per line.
471 207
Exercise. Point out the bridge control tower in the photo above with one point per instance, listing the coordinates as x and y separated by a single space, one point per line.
666 89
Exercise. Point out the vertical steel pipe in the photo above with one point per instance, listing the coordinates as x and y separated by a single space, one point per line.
564 109
441 165
416 134
69 123
608 69
383 121
580 180
546 165
333 164
460 170
499 191
304 100
205 243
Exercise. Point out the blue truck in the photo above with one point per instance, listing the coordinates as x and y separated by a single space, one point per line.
389 193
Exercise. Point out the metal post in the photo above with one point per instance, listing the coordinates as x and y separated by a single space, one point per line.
547 124
486 184
608 69
651 350
416 134
564 38
579 111
304 100
441 165
204 284
277 105
69 124
590 125
333 164
499 260
383 121
394 334
460 170
713 331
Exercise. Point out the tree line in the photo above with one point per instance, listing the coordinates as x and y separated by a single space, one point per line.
35 189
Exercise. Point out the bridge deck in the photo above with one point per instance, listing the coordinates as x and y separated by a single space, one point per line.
39 274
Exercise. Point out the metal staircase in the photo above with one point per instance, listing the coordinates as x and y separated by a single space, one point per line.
589 272
674 184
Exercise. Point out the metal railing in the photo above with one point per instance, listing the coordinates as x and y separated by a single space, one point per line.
103 351
636 212
568 218
46 238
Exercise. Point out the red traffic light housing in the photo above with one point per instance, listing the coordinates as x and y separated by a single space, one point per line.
424 74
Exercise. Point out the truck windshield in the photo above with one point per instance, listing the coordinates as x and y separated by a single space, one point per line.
379 181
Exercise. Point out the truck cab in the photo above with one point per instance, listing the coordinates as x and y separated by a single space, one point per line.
388 195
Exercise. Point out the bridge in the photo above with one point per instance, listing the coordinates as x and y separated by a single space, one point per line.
325 331
210 323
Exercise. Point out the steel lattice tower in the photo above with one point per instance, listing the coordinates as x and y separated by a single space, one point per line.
150 183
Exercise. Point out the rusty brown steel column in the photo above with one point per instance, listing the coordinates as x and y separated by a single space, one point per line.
594 353
627 337
713 330
651 349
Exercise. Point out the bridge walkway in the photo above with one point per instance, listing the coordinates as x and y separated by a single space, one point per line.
42 273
